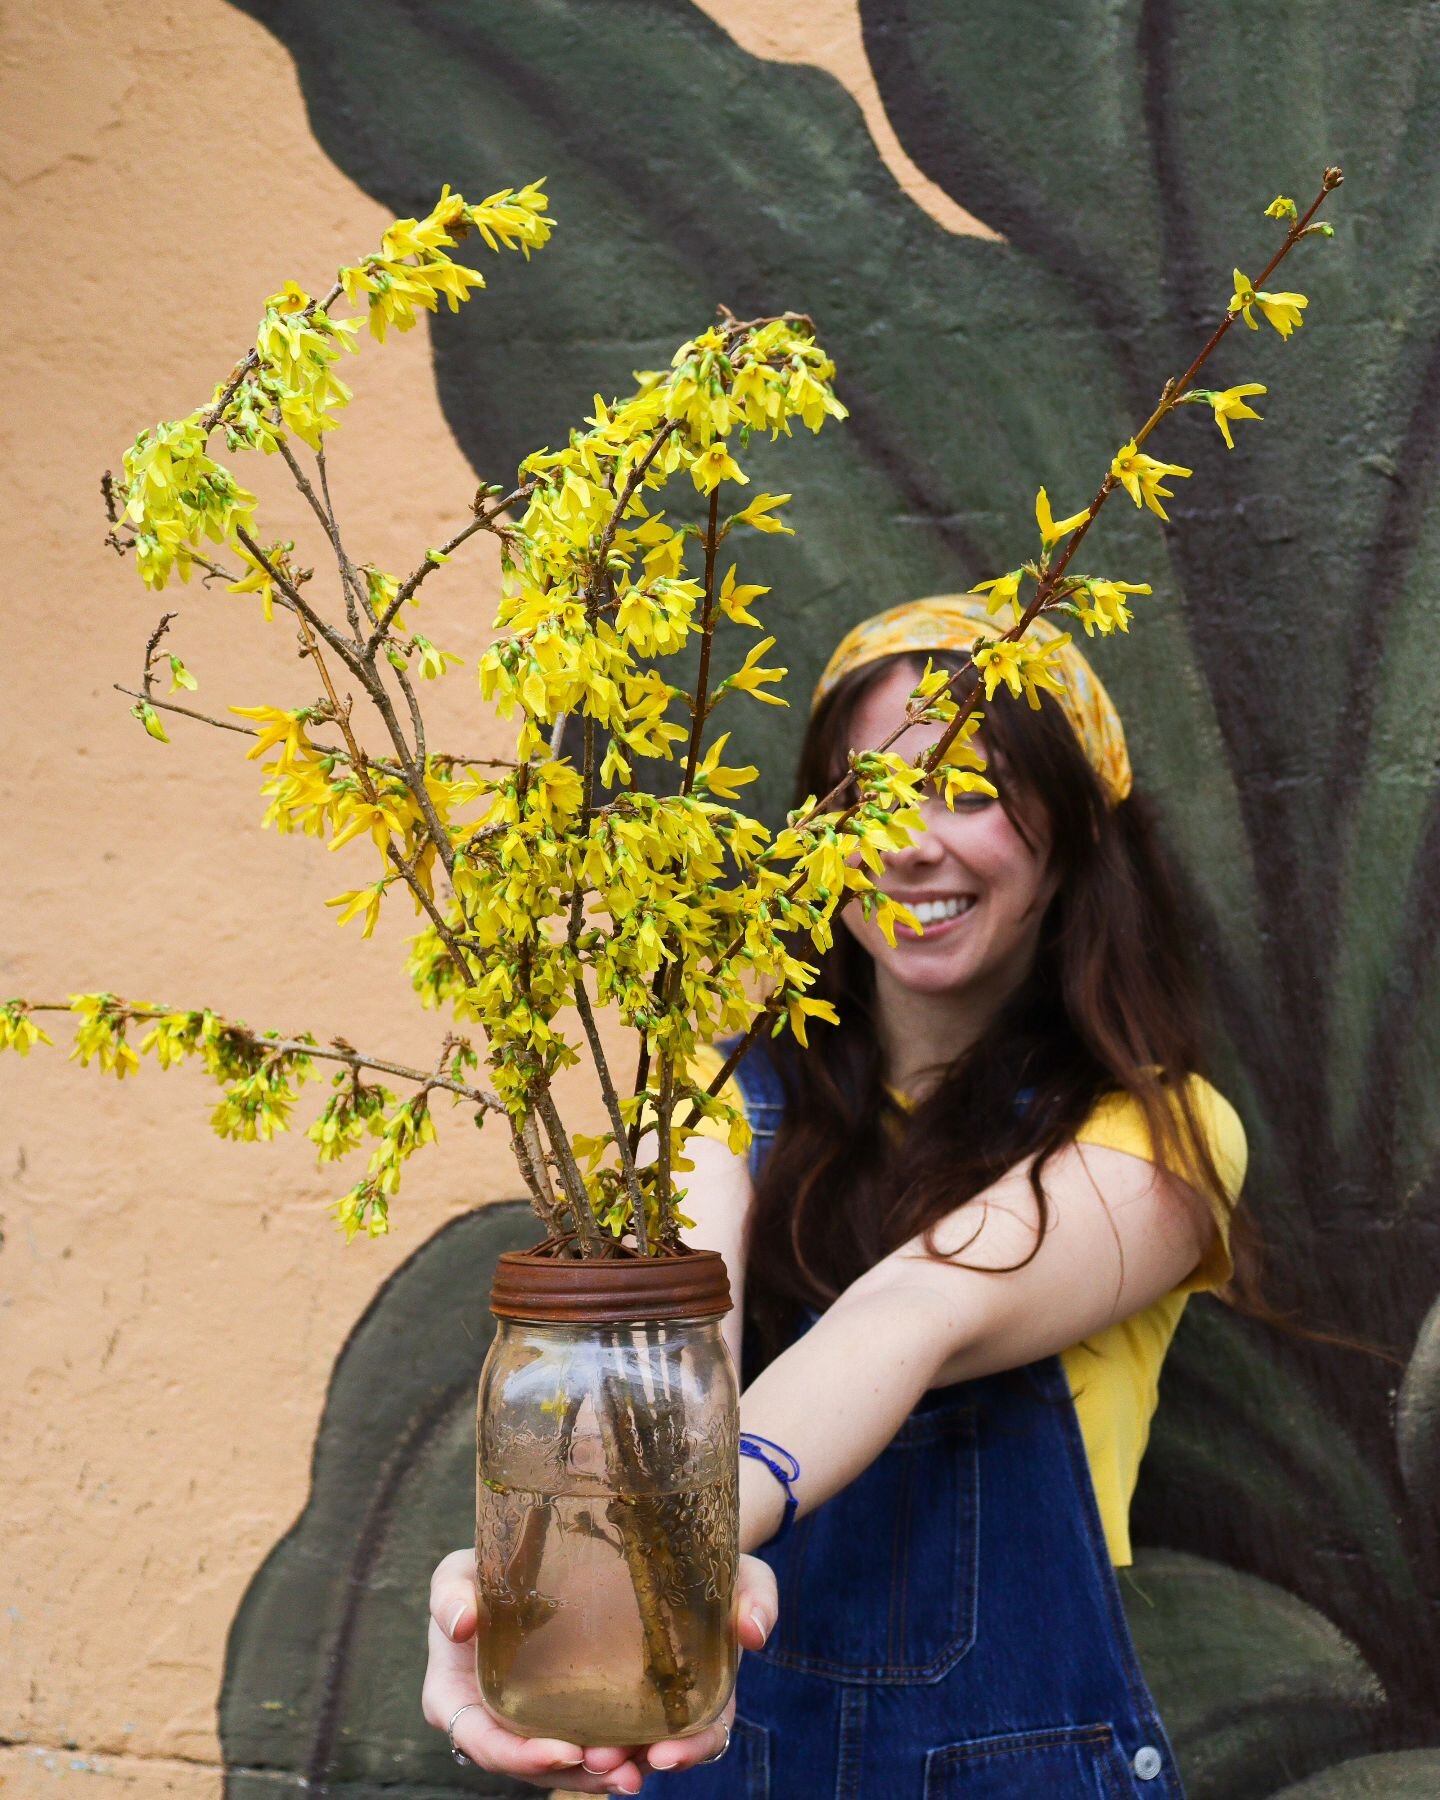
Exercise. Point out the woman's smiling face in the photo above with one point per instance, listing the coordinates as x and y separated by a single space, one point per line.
978 885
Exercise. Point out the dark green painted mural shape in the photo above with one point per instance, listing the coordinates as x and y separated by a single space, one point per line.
1281 689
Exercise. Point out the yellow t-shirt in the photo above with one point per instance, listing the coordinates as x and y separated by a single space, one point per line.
1115 1376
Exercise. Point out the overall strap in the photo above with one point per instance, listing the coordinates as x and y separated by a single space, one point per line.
764 1097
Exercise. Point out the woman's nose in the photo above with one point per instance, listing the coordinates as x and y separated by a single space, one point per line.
925 849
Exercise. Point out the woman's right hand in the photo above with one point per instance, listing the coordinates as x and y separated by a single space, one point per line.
455 1616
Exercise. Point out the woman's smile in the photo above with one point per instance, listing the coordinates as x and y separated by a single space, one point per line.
937 915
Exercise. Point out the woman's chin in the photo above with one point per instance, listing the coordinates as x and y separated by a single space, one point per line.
926 970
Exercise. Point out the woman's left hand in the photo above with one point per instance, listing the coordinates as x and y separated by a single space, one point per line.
450 1679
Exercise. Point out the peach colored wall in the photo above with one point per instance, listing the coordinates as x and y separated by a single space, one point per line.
172 1305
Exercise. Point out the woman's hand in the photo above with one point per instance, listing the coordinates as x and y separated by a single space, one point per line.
455 1613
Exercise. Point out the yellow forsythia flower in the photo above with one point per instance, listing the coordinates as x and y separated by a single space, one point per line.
18 1032
1282 310
1002 588
1052 530
1229 403
1107 610
1141 475
714 466
150 719
1022 666
760 514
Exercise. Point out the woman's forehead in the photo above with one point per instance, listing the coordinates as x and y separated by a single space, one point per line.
881 705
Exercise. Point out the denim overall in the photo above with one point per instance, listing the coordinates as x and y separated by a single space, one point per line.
949 1622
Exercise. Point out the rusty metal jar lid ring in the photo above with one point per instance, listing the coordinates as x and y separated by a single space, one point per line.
609 1291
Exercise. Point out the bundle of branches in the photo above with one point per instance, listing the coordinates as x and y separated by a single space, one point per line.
553 885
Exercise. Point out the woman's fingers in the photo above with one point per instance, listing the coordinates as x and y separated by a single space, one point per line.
454 1604
455 1616
624 1778
757 1602
684 1753
450 1685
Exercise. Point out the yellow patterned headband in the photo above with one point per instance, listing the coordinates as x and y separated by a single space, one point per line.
954 622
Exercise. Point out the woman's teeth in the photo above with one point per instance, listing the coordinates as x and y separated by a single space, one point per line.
930 912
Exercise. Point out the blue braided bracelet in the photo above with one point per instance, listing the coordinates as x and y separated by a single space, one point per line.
785 1472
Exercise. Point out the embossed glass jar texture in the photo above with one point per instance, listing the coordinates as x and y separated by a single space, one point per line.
606 1528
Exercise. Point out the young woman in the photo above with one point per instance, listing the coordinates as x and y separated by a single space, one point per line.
960 1245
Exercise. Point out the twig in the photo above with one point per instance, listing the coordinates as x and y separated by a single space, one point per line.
707 634
188 711
404 864
570 1177
147 679
345 648
374 762
483 521
356 591
530 1157
628 1171
636 476
338 1051
417 722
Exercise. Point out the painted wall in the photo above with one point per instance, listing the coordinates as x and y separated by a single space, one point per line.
1010 223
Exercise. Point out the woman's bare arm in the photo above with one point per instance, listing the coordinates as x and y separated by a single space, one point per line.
1120 1235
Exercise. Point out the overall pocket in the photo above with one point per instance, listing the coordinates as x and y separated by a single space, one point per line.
1080 1762
878 1584
752 1749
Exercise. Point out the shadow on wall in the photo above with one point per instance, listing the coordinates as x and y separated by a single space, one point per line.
1277 703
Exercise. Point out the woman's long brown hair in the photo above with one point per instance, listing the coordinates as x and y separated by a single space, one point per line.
1112 1004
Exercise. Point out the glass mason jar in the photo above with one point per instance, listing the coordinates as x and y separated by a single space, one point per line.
606 1529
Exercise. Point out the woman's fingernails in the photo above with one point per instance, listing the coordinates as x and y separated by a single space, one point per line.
663 1762
461 1612
759 1623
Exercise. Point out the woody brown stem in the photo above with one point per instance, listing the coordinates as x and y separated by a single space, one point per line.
571 1179
530 1157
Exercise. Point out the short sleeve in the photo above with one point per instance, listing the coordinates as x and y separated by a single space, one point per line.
1117 1123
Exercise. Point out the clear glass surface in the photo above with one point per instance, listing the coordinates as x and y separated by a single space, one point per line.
606 1529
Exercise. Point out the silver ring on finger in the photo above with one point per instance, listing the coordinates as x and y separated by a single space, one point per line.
459 1755
720 1752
